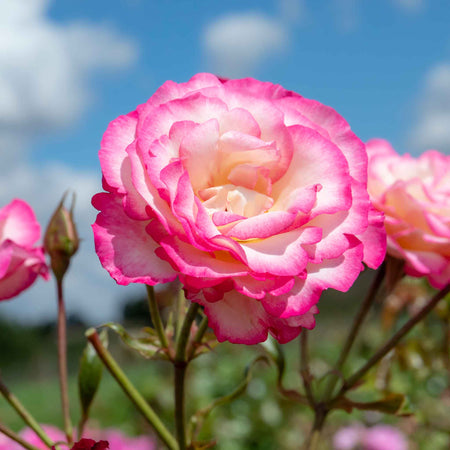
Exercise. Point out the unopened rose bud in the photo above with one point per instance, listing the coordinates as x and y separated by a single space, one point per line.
61 238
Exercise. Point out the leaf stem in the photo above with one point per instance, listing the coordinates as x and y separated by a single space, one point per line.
131 391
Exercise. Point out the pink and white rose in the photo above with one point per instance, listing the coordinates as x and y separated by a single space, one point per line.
414 194
20 261
252 195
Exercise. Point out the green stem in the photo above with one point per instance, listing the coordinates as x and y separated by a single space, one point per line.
26 416
446 344
81 425
320 415
131 391
15 437
179 312
62 362
356 326
180 365
183 338
392 342
304 368
198 337
180 415
156 317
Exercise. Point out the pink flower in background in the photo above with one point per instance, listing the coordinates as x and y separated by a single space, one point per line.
20 261
414 194
116 439
55 434
7 444
254 196
119 441
384 437
348 438
379 437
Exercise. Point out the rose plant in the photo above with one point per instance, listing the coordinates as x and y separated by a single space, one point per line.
20 261
256 199
253 196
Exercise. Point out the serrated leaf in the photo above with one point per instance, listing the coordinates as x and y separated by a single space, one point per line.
147 346
391 404
90 374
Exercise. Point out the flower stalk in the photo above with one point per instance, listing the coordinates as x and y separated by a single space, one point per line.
180 365
62 362
131 391
304 368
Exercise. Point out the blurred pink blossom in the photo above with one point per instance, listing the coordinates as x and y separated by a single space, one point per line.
116 438
414 194
379 437
20 262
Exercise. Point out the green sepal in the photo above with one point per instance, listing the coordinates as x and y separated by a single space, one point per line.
90 374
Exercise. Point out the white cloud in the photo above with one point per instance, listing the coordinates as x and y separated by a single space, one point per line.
45 70
432 129
410 5
90 292
237 44
45 66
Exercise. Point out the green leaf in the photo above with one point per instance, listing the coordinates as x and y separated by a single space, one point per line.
90 374
391 404
146 345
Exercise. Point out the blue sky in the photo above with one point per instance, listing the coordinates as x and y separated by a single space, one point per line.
67 68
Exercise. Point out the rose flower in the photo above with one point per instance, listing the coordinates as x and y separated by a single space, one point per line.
20 261
252 195
414 194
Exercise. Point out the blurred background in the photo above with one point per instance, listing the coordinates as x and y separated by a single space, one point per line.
67 68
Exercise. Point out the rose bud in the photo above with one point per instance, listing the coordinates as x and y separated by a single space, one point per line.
61 238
